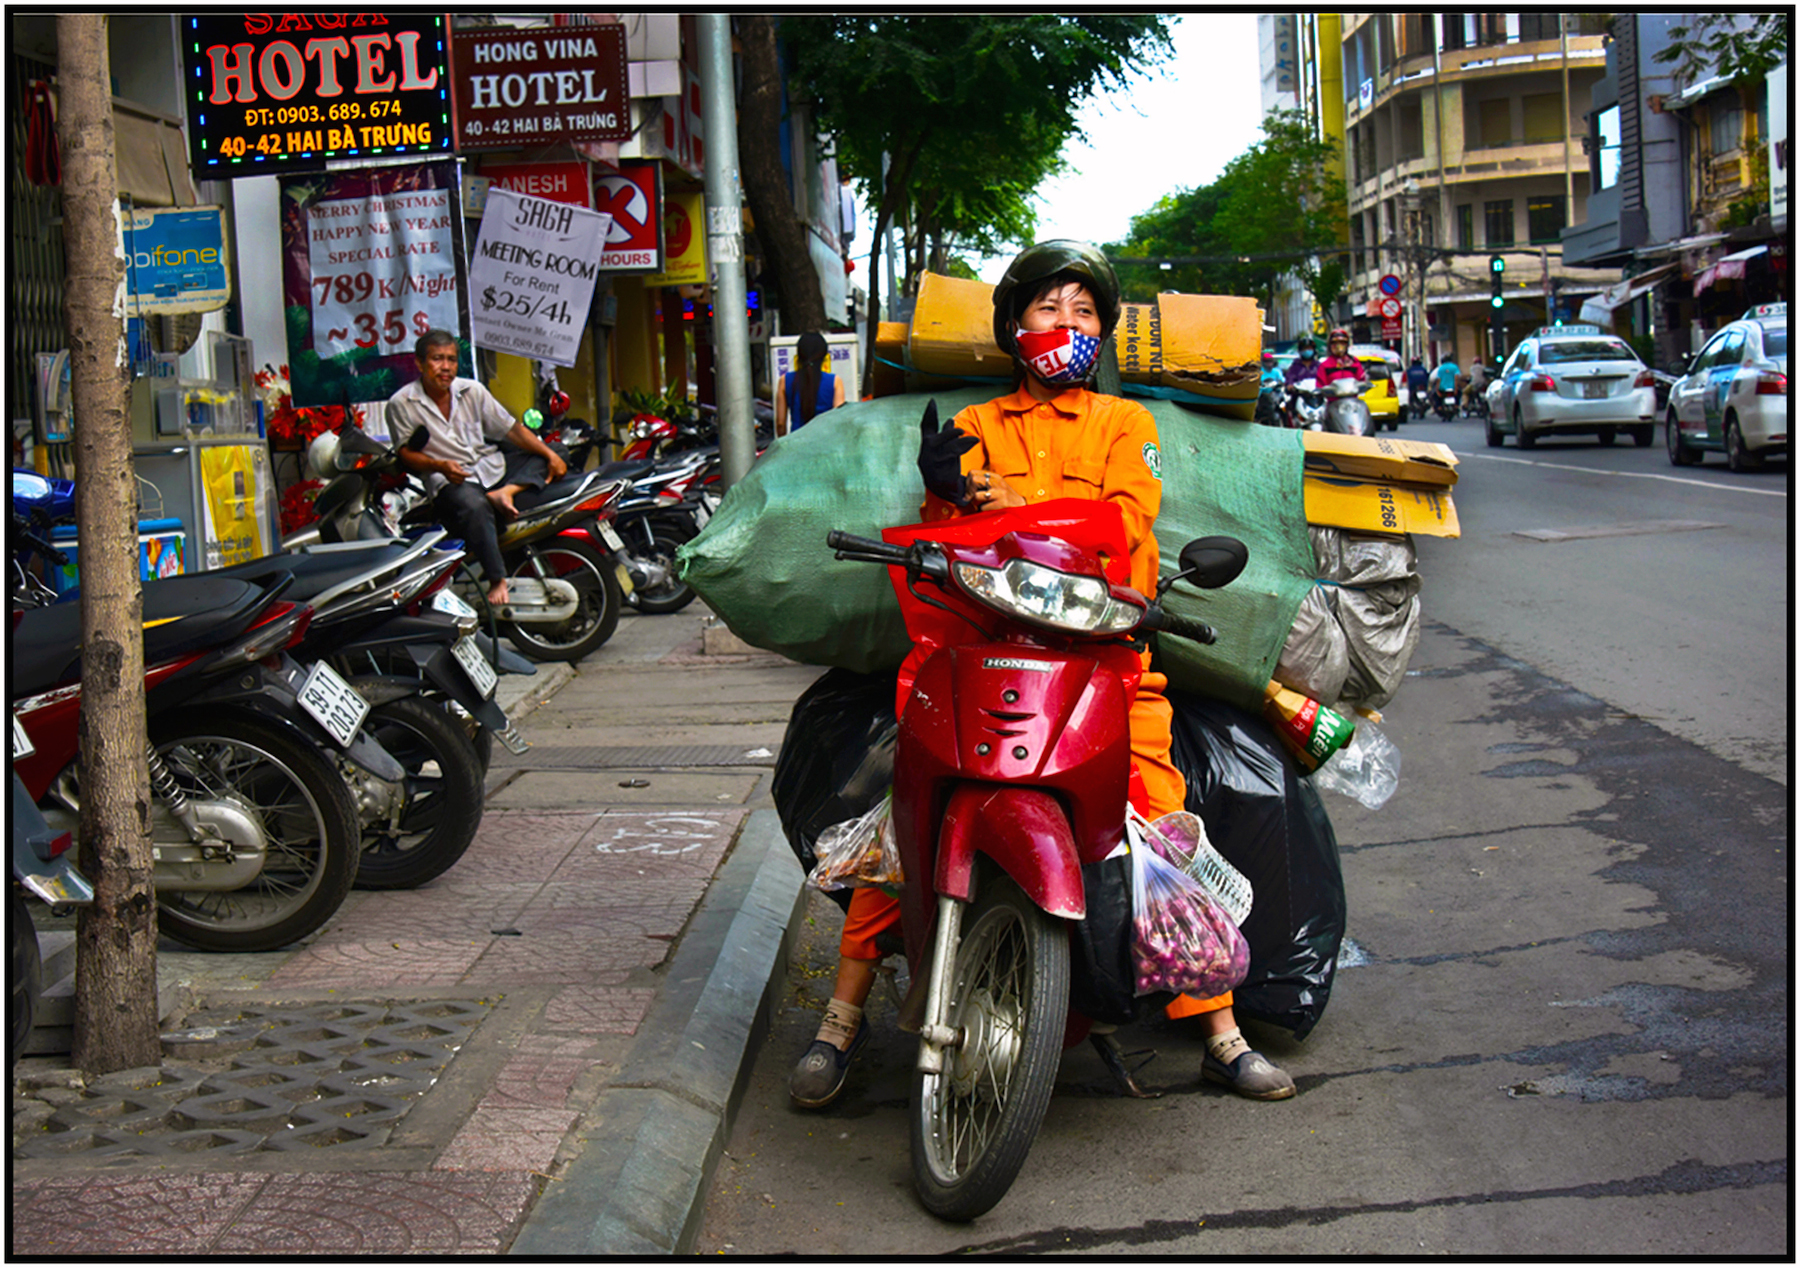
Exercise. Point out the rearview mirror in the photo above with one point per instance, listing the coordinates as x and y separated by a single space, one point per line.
1210 562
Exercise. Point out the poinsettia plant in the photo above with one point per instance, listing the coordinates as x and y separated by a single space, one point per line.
297 509
289 424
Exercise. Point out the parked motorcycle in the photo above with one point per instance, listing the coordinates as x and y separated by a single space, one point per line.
659 511
255 832
43 869
1011 771
565 594
384 622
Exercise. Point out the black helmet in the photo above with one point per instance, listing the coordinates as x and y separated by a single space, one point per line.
1044 261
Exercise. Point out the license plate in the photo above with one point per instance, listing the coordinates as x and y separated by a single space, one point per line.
1593 391
333 703
21 742
613 541
475 665
450 603
624 575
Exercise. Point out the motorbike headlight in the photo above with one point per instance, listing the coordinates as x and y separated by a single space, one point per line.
1044 596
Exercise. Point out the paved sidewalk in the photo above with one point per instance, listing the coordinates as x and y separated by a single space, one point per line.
538 1053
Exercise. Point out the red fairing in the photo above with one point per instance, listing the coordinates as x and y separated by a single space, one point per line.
1025 831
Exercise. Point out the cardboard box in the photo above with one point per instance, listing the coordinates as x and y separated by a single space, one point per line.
1138 341
1212 347
953 329
1371 506
887 378
1380 458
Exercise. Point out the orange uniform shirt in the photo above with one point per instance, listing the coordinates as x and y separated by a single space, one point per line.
1078 445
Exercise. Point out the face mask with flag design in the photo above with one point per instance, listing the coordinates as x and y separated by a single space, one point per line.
1060 357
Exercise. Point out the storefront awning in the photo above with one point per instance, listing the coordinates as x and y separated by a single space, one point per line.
1599 308
1731 266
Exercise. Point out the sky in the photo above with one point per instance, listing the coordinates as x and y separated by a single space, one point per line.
1174 128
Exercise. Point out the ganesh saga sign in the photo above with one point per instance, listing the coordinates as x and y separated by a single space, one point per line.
284 91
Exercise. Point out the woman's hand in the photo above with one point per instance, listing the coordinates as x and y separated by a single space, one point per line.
989 491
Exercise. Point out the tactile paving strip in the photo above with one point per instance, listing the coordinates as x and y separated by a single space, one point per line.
569 757
254 1078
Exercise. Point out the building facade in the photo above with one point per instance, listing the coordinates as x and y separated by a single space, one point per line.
1690 193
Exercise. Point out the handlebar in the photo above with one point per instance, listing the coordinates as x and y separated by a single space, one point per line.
850 546
1184 627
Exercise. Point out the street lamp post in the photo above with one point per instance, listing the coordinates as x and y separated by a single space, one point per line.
1415 334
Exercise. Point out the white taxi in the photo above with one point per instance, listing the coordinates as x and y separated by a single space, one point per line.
1734 396
1572 378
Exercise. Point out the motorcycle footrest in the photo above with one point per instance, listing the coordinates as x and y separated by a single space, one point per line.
514 742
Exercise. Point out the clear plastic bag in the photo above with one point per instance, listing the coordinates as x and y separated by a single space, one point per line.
1367 768
1180 837
1181 939
858 852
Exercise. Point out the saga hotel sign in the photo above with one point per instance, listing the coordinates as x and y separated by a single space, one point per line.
282 91
530 87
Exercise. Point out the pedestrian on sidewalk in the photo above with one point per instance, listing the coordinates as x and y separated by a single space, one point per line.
807 390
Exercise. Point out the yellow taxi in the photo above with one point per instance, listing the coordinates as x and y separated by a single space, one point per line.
1382 396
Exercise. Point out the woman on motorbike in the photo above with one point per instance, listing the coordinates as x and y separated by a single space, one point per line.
1337 363
1052 437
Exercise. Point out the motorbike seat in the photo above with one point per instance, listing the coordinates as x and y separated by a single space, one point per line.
182 615
316 571
627 468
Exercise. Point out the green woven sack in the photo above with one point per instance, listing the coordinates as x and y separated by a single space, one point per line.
763 567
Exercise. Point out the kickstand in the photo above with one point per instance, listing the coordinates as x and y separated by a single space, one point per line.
1114 1059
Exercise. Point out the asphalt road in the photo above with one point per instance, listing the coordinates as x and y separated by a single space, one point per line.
1562 1024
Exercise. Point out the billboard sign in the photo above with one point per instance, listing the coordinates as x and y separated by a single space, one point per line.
633 197
176 260
518 87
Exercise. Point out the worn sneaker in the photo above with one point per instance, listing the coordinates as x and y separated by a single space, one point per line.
1252 1075
819 1076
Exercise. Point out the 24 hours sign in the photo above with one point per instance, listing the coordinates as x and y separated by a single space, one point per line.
286 91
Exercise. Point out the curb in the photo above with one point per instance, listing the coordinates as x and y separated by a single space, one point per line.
521 694
650 1143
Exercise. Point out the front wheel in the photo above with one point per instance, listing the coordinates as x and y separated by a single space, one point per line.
1494 439
653 559
24 976
599 600
973 1124
441 807
275 780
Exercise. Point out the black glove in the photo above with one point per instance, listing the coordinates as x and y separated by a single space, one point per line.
940 457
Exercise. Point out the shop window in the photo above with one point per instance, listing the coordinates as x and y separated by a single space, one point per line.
1546 215
1418 33
1409 127
1500 223
1727 130
1465 227
1543 118
1539 26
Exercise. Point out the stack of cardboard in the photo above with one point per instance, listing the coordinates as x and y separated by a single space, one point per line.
1379 485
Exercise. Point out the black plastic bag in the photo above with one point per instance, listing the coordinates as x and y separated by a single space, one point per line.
837 758
1270 825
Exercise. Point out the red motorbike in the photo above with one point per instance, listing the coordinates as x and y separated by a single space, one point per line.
1012 770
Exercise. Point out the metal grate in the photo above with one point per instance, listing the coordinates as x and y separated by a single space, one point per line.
34 258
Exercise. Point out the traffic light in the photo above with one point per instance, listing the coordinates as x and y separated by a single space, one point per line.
1497 272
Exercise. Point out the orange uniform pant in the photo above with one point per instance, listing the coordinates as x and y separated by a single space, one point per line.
872 911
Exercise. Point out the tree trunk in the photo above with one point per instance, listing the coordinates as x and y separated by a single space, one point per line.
778 227
115 996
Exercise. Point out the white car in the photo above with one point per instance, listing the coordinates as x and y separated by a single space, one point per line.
1734 396
1573 379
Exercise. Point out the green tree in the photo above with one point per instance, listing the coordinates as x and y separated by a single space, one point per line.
1742 47
947 121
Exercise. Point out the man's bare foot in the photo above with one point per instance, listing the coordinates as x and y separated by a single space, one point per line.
497 593
502 498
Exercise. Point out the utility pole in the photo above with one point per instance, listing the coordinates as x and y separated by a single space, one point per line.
115 964
725 248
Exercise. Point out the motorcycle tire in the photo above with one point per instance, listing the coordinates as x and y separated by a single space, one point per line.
973 1124
305 808
597 615
443 796
24 977
663 591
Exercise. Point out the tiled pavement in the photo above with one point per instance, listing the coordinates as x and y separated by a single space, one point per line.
599 937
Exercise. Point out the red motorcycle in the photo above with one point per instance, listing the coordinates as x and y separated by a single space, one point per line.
1012 770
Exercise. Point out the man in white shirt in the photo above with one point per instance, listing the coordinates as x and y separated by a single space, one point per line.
470 478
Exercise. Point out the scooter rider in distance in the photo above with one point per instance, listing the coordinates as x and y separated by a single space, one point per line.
1337 363
1052 437
471 480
